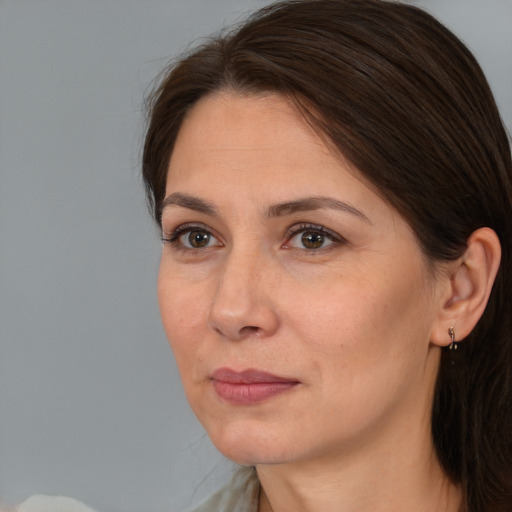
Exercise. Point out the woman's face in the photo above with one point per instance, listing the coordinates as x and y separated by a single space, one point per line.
297 302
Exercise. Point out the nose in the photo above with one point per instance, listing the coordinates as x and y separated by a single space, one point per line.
243 303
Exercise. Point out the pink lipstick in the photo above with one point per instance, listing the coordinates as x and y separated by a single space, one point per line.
249 386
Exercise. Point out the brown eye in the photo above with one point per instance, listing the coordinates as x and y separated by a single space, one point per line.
197 239
192 238
312 240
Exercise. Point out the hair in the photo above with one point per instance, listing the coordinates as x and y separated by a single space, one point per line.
402 99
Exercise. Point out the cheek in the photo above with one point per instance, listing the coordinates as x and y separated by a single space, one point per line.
364 320
183 311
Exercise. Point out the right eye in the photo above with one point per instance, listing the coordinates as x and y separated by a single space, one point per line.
196 239
191 237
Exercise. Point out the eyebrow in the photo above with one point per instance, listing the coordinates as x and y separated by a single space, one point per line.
315 203
277 210
190 202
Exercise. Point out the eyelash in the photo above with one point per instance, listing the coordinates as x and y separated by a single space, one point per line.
173 239
296 230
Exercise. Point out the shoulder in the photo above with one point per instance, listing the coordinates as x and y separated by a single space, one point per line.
40 503
241 494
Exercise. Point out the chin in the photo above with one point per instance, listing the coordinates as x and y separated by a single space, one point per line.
249 445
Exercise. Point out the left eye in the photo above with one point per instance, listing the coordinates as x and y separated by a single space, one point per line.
310 239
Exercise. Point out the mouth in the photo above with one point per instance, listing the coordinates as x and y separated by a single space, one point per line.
249 387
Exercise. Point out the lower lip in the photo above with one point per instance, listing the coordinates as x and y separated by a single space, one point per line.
250 393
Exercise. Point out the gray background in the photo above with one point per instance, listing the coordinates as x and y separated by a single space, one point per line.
90 402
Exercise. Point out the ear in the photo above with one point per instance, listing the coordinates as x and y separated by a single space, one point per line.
467 286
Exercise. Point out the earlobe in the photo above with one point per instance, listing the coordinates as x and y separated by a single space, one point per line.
471 278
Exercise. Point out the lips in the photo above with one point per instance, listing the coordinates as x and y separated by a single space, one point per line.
249 386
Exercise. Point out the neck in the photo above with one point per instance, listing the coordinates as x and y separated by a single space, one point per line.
398 476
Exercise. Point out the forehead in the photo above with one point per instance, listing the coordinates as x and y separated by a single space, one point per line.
260 136
216 108
224 121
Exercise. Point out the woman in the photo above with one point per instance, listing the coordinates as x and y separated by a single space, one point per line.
333 185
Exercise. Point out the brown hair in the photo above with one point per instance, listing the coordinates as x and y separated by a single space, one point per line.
406 102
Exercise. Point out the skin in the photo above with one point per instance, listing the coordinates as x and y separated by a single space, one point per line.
351 321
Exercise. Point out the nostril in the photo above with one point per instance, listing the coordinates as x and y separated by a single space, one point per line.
249 329
245 331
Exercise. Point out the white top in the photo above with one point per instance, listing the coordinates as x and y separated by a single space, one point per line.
40 503
241 494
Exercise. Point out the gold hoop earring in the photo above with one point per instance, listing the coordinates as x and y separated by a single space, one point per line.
453 344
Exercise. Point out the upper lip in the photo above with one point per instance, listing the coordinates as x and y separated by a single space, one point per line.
249 376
